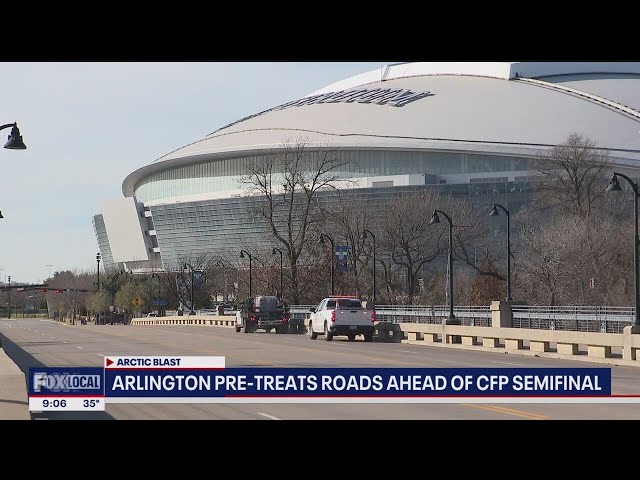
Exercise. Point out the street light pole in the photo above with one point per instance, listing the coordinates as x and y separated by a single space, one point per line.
452 320
49 265
191 311
614 186
9 301
273 252
242 252
333 255
494 213
364 237
98 283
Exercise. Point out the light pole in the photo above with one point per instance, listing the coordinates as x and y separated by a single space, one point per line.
9 300
49 265
333 255
15 141
98 283
126 275
242 252
273 252
452 320
614 186
191 311
494 213
221 263
364 237
154 275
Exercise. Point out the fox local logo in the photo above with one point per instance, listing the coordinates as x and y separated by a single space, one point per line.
60 382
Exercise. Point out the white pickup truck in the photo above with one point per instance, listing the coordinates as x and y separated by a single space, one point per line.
342 316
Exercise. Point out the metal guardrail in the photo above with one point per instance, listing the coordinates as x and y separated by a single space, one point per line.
471 316
568 318
573 318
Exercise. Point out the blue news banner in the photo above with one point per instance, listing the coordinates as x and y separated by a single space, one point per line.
91 388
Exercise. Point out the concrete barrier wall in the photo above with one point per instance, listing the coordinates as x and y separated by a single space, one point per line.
517 340
209 320
567 344
14 402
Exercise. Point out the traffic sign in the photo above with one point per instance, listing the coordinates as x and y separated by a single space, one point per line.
137 301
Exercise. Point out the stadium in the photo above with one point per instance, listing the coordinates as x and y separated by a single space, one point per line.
469 129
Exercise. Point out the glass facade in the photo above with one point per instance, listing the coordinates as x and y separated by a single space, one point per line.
224 226
224 175
103 243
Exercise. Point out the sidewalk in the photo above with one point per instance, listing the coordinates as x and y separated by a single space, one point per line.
14 403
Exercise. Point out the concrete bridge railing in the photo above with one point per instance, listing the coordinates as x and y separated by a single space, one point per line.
209 320
614 348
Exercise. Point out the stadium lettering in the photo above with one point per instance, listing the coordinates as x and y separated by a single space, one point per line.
394 97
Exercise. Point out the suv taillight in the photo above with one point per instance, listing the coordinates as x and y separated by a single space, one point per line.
373 317
252 318
333 316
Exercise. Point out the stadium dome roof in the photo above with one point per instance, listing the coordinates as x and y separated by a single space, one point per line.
512 108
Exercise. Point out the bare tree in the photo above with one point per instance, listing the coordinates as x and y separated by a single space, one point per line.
572 176
349 218
407 240
286 182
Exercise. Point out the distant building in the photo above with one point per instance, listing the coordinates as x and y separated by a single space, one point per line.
466 128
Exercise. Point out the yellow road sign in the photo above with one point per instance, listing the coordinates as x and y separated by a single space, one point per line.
137 302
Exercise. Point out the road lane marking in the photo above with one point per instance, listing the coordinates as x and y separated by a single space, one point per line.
66 341
100 355
271 417
79 348
509 363
509 411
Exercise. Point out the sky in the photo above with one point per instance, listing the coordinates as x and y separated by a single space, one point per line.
88 125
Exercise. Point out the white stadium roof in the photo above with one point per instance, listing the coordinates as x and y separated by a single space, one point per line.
480 107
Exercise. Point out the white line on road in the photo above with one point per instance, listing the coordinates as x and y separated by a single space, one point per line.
66 341
100 355
509 363
79 348
269 416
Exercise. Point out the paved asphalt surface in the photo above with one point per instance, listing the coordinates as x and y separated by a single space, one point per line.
32 343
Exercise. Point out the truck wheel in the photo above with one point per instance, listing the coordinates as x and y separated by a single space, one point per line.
368 338
328 336
268 329
247 329
281 330
352 337
238 329
312 335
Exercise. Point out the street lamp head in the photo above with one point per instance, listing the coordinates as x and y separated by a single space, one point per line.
241 254
98 258
1 214
321 240
494 212
434 218
273 252
15 139
364 235
614 184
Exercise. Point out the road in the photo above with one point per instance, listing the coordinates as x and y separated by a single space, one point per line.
34 342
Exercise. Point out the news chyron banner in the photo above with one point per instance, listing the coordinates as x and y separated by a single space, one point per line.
207 380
